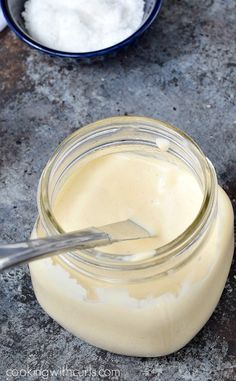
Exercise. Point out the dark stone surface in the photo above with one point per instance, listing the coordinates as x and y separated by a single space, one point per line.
182 71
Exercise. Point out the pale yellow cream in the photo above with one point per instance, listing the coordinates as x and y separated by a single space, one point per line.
150 318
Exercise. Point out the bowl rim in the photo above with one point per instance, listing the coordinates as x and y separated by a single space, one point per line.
36 45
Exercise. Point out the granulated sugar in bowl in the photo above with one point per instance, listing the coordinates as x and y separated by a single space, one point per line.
81 25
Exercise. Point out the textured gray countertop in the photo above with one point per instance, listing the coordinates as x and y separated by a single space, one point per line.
182 71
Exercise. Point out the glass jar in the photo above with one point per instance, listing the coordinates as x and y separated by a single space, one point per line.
129 304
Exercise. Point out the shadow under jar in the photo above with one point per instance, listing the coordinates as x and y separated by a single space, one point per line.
134 303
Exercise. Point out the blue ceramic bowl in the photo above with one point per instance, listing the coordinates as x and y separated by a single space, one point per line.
12 10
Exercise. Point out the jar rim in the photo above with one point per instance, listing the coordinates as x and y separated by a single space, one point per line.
162 254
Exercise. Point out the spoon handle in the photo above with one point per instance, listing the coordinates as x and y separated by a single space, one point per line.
22 252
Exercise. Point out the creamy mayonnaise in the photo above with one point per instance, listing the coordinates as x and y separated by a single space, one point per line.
149 318
121 186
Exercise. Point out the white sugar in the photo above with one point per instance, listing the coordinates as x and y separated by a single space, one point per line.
82 25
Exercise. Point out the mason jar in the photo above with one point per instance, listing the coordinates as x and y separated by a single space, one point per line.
126 303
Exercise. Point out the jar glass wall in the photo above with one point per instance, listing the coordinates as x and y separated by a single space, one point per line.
131 302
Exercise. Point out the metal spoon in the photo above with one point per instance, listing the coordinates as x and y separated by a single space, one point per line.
17 253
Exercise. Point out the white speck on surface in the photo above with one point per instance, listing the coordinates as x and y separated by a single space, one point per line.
163 144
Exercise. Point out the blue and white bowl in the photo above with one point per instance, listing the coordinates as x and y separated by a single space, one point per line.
12 10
